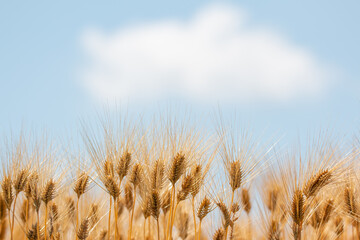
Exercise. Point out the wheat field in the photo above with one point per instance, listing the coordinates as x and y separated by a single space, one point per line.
173 180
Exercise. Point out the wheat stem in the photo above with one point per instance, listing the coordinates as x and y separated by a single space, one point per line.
13 216
11 232
116 213
193 210
46 213
173 219
249 227
77 217
109 222
357 230
116 217
132 215
165 225
199 231
38 225
158 229
144 230
26 215
172 199
172 212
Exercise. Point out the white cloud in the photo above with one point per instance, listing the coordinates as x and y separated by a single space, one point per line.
214 56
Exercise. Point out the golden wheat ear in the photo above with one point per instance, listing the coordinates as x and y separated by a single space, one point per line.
272 198
81 184
70 209
145 204
177 168
32 180
157 175
103 234
339 226
136 176
298 213
315 219
129 200
83 231
219 234
155 204
327 211
20 180
53 221
204 208
186 185
7 191
2 208
123 165
108 168
3 214
93 215
8 196
198 178
274 231
225 214
120 206
351 205
245 199
235 175
316 182
23 210
49 191
33 233
112 187
36 197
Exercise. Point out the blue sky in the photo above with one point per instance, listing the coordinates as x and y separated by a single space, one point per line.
56 56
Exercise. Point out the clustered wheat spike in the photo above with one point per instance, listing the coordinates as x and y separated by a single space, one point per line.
35 194
81 184
235 175
155 204
177 182
245 199
48 192
185 188
54 212
93 215
112 187
219 234
350 202
157 175
123 165
197 179
83 231
177 168
316 182
32 234
204 209
129 201
20 181
225 214
7 191
274 233
298 207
